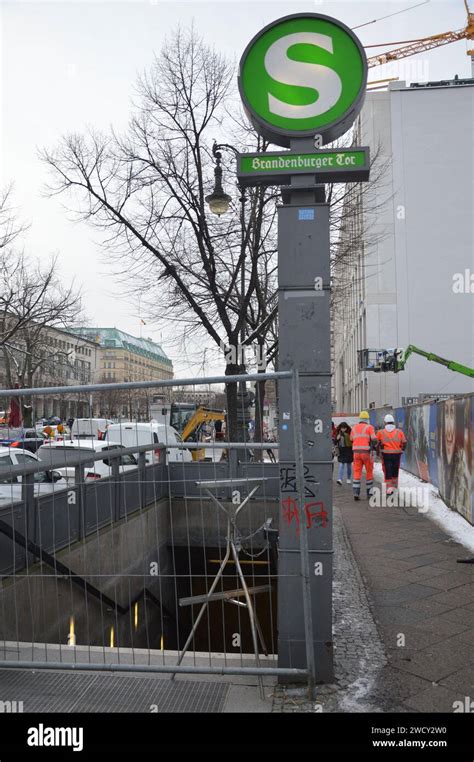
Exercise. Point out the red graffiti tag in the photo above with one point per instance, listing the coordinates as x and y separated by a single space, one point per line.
291 512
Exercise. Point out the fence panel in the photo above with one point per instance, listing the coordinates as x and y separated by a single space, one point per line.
153 552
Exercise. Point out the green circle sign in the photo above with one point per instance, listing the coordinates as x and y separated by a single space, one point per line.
303 75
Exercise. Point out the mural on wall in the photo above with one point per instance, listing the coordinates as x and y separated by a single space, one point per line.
440 447
417 431
454 454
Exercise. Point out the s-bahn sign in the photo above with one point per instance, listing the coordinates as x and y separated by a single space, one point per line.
328 166
303 75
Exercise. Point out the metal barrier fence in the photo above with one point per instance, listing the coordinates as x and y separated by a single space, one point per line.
128 553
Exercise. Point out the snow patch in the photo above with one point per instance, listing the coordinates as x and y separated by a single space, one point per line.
448 520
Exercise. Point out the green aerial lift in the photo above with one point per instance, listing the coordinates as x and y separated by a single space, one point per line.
394 360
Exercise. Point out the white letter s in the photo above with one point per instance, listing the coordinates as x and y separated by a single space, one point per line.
319 78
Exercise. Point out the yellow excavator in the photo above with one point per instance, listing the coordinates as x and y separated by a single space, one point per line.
188 419
192 428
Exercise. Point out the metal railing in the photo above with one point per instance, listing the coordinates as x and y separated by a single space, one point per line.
107 573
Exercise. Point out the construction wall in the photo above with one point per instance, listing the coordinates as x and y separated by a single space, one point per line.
440 447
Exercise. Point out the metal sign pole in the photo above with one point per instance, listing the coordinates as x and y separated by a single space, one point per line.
304 320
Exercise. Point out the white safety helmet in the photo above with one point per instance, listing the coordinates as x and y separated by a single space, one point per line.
389 418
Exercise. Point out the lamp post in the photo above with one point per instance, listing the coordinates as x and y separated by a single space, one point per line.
219 203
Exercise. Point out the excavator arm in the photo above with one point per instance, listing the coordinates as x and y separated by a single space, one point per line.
202 415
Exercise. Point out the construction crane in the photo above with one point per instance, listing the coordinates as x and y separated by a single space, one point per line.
394 360
412 47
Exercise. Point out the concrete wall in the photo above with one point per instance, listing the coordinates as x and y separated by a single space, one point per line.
433 164
199 522
421 236
37 606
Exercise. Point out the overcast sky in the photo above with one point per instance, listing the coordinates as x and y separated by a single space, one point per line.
66 65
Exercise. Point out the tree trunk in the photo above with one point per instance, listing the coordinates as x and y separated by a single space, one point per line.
27 416
259 400
234 431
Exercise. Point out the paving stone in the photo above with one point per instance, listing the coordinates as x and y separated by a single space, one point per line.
467 636
397 615
416 550
467 569
424 573
461 681
445 581
415 638
461 615
403 594
385 582
458 597
426 559
436 661
429 606
401 684
436 698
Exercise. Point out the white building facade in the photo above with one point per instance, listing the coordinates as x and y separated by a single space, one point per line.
413 283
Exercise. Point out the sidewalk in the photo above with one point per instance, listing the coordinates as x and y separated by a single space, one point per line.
422 602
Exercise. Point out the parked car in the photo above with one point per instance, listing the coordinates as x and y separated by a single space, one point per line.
24 439
10 484
131 433
59 453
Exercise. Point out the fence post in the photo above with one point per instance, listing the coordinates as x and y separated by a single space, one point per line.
31 511
116 485
141 478
79 485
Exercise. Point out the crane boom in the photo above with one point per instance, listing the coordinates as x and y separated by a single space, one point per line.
426 43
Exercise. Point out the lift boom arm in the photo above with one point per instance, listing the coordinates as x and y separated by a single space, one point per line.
454 366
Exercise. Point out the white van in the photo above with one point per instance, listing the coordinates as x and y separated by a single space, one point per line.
59 454
90 428
131 433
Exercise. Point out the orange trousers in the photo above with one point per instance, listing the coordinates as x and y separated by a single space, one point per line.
363 460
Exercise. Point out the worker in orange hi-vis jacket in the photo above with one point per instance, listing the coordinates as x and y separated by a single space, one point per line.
391 443
363 443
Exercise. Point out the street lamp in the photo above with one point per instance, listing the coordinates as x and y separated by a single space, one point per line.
218 201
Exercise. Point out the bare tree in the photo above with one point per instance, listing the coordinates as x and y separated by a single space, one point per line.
11 227
112 403
147 191
32 301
